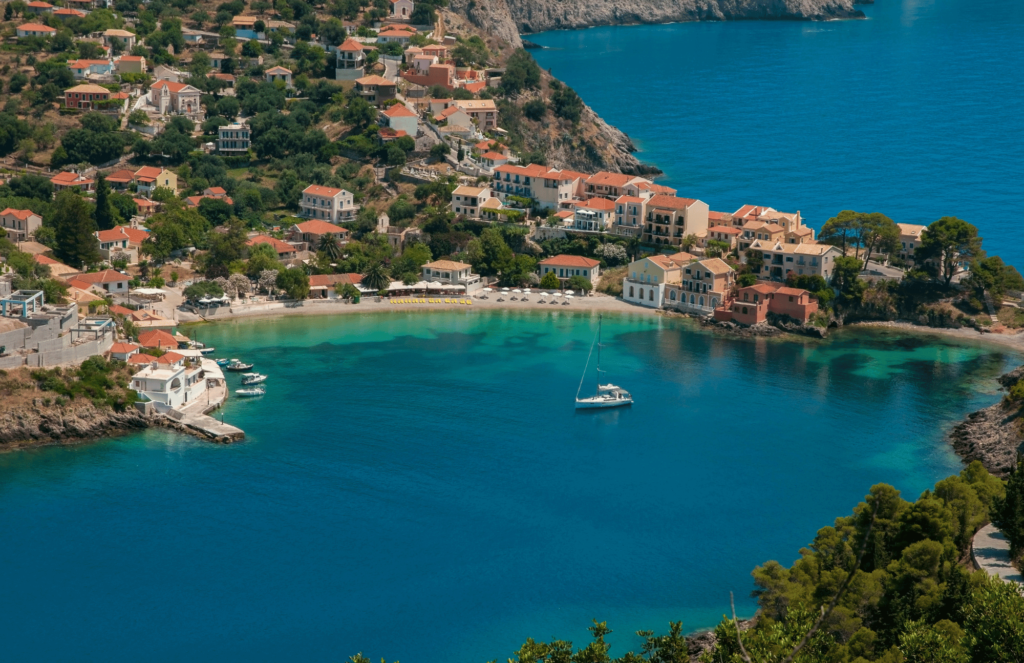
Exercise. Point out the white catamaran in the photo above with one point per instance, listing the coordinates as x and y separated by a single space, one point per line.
608 395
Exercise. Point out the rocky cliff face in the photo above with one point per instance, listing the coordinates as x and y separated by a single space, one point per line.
993 435
493 17
46 423
541 15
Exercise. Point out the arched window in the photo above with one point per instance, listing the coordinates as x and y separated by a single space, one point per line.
630 291
176 383
672 295
714 303
701 300
691 299
744 310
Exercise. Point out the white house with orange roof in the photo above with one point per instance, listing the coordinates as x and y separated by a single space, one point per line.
38 7
109 280
594 215
491 160
400 118
550 189
468 200
148 178
122 351
565 267
35 30
401 10
350 61
395 35
119 240
86 68
130 64
670 219
646 278
327 204
483 111
71 180
20 224
451 272
127 39
910 240
65 13
171 383
313 232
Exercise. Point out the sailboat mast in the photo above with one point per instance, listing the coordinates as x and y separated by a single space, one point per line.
600 321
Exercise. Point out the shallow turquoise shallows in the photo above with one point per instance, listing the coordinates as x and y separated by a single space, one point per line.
915 112
419 486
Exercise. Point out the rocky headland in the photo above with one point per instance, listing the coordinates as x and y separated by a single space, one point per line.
48 421
994 435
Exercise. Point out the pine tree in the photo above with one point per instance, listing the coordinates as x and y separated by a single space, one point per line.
76 245
1009 512
103 213
8 12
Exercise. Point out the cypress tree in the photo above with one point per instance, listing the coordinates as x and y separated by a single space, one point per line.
73 230
103 213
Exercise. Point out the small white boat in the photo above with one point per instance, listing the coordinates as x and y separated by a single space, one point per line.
236 365
608 395
206 351
254 378
254 391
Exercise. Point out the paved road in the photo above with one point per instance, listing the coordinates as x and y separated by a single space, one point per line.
390 70
991 552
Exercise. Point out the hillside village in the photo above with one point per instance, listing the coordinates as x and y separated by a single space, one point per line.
182 157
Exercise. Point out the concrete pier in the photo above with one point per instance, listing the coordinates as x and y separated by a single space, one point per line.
194 417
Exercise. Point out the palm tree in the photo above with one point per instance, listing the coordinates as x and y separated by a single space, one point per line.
329 246
376 276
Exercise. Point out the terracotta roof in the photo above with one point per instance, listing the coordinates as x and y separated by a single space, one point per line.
112 235
394 33
532 170
664 261
157 338
36 4
447 264
448 112
374 80
389 133
760 287
716 266
123 175
597 203
78 64
773 228
278 245
605 178
120 310
115 32
399 110
802 231
719 216
142 202
215 191
670 202
570 261
89 88
476 104
123 348
148 172
69 12
727 230
22 214
106 276
350 45
172 86
139 358
68 178
332 279
81 285
318 227
278 70
36 27
43 260
487 145
752 210
656 188
796 292
317 190
169 358
630 199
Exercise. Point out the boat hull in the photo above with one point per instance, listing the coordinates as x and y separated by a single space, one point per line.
598 404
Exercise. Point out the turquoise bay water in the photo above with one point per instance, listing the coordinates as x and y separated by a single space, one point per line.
915 112
418 486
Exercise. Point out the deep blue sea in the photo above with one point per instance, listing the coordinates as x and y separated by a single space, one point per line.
418 486
917 112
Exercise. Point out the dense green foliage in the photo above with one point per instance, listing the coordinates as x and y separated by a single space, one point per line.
103 382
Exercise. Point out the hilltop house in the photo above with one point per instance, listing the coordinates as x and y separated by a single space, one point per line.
400 118
71 180
275 74
327 204
467 200
126 38
376 89
148 178
401 10
109 280
233 138
20 224
349 61
35 30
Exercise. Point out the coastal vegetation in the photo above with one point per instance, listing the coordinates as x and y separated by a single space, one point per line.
101 381
892 582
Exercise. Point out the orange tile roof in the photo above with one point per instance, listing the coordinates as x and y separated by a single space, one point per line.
43 260
796 292
605 178
318 227
106 276
716 266
670 202
123 348
123 175
172 86
399 110
447 264
69 12
68 178
630 199
374 80
278 70
22 214
81 285
142 202
332 279
157 338
112 235
148 172
215 191
597 203
317 190
570 261
494 156
169 358
350 45
140 358
36 27
120 310
278 245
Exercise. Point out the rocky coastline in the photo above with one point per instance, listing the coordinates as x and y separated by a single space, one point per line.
49 423
993 435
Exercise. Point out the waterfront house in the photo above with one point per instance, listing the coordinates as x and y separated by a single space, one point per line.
148 178
646 278
85 96
703 285
467 200
670 219
350 61
169 385
313 232
159 339
35 30
400 118
376 89
594 215
71 180
109 280
565 267
910 239
327 204
324 286
548 188
452 273
122 351
753 304
284 250
629 215
20 224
